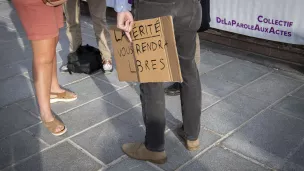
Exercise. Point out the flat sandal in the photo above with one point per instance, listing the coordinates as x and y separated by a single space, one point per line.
53 125
66 96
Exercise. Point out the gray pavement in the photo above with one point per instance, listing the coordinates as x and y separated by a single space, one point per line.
252 117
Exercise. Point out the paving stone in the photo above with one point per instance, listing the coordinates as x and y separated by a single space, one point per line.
242 104
89 40
135 118
295 75
299 93
231 113
63 45
30 105
86 21
292 167
217 87
222 160
61 157
177 153
13 151
105 140
13 24
212 59
62 58
239 72
8 34
112 79
219 120
15 89
173 109
204 68
295 162
16 43
208 100
64 78
14 119
6 9
92 88
271 88
221 49
291 106
268 138
128 164
77 120
88 30
20 54
15 69
125 98
9 15
12 56
86 90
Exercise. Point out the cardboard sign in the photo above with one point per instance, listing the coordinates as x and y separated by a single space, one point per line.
152 57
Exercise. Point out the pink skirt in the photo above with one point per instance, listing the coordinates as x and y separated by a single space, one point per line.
39 20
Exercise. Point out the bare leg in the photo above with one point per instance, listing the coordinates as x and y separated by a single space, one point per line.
44 56
55 87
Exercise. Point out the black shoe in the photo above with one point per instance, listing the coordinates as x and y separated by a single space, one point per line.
173 90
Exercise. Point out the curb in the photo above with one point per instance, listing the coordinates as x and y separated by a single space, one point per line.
287 53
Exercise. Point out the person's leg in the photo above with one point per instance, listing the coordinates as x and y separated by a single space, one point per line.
56 90
152 98
98 10
57 93
55 87
191 86
153 109
42 31
44 56
174 89
190 90
73 31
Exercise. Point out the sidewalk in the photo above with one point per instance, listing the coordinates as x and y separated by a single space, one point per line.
252 117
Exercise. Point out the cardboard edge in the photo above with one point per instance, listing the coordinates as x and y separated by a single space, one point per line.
176 76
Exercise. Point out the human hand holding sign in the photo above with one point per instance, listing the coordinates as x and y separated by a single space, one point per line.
125 22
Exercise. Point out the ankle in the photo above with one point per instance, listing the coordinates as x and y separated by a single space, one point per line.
46 116
56 89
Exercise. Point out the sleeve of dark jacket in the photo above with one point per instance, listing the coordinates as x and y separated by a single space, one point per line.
206 16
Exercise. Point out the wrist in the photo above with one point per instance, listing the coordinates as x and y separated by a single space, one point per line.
123 8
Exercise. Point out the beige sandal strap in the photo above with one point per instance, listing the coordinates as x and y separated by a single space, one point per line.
53 125
64 95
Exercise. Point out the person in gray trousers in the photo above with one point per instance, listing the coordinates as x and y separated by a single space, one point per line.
187 16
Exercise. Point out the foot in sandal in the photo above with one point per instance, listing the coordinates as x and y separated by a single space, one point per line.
55 126
65 96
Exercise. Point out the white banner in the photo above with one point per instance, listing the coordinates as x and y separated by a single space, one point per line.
277 20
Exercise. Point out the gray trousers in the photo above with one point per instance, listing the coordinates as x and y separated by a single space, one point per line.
187 16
